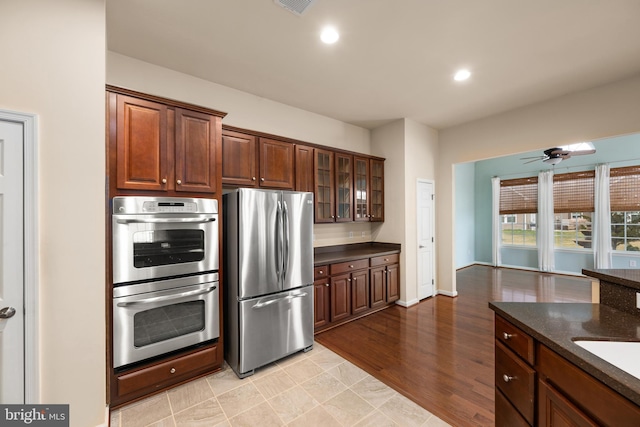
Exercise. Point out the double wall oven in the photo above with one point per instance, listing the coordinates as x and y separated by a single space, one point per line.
165 276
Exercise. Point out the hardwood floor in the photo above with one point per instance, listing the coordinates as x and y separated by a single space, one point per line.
440 352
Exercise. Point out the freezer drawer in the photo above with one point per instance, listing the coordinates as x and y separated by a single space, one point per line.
274 326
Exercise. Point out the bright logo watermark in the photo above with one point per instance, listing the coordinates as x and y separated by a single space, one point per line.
34 415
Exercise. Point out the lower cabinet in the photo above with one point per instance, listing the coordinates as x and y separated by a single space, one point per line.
345 291
535 386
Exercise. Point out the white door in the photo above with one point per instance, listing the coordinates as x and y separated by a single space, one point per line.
11 263
425 203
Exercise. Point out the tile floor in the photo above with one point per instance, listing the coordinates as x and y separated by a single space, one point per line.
318 388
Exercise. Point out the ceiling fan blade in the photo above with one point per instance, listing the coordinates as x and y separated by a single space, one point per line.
534 160
560 152
534 157
582 152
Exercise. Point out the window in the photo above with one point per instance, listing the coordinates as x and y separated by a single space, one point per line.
518 208
573 207
624 184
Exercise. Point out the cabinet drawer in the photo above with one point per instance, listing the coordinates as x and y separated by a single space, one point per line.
512 337
383 260
345 267
165 373
320 272
506 415
516 380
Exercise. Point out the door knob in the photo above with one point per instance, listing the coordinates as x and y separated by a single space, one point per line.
421 247
7 312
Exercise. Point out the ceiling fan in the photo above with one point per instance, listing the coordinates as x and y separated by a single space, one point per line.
555 155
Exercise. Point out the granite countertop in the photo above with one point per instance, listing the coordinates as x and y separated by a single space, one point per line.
625 277
555 324
340 253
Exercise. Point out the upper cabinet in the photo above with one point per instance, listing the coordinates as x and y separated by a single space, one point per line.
304 168
157 145
252 161
376 190
344 187
362 189
324 186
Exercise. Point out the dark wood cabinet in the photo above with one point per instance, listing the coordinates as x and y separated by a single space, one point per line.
376 190
157 146
239 159
276 164
361 183
324 186
340 297
393 282
378 286
344 187
385 279
304 168
536 386
321 297
359 291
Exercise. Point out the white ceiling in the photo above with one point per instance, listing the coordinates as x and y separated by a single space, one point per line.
395 58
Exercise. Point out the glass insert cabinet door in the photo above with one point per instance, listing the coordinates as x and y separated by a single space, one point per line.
377 190
324 194
344 188
361 184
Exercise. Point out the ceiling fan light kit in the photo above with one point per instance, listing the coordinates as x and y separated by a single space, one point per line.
555 155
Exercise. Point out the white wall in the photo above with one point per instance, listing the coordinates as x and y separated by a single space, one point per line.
53 65
411 150
249 112
596 113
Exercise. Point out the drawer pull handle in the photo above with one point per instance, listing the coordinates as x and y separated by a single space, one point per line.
320 272
508 378
172 370
507 336
351 266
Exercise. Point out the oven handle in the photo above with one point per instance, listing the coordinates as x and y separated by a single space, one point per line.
166 298
165 220
272 301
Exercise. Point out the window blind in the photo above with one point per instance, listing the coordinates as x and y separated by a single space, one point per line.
573 192
519 196
624 184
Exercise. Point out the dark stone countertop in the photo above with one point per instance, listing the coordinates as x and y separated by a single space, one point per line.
341 253
620 276
555 324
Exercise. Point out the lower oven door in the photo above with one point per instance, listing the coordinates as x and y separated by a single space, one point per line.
154 323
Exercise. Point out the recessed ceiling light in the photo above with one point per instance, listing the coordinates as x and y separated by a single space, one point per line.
329 35
462 75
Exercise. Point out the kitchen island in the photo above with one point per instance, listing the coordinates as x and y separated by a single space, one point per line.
542 374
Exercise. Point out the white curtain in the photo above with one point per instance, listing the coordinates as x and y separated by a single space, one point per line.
496 224
544 236
601 234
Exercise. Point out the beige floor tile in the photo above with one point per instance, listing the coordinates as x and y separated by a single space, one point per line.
373 391
323 387
294 358
435 422
303 370
405 412
223 381
274 384
262 415
348 408
207 413
292 403
240 399
326 359
318 416
114 418
146 411
377 419
166 422
348 373
263 371
189 394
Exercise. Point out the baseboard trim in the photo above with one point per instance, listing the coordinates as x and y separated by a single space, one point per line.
406 304
447 293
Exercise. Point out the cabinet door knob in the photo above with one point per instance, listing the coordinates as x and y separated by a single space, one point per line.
351 266
172 370
348 280
262 179
164 180
386 259
327 284
253 178
179 182
508 378
320 272
507 336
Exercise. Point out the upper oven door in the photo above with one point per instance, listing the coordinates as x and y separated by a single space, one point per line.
163 245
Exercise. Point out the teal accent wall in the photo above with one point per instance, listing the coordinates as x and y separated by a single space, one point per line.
617 151
465 213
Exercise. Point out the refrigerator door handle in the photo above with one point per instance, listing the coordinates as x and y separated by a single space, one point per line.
279 245
261 304
285 226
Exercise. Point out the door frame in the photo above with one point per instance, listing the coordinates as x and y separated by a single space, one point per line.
29 124
433 234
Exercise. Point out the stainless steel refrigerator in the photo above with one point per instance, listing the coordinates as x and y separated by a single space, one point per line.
268 276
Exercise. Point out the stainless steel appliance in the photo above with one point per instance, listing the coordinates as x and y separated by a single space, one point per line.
165 274
156 237
151 319
268 276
